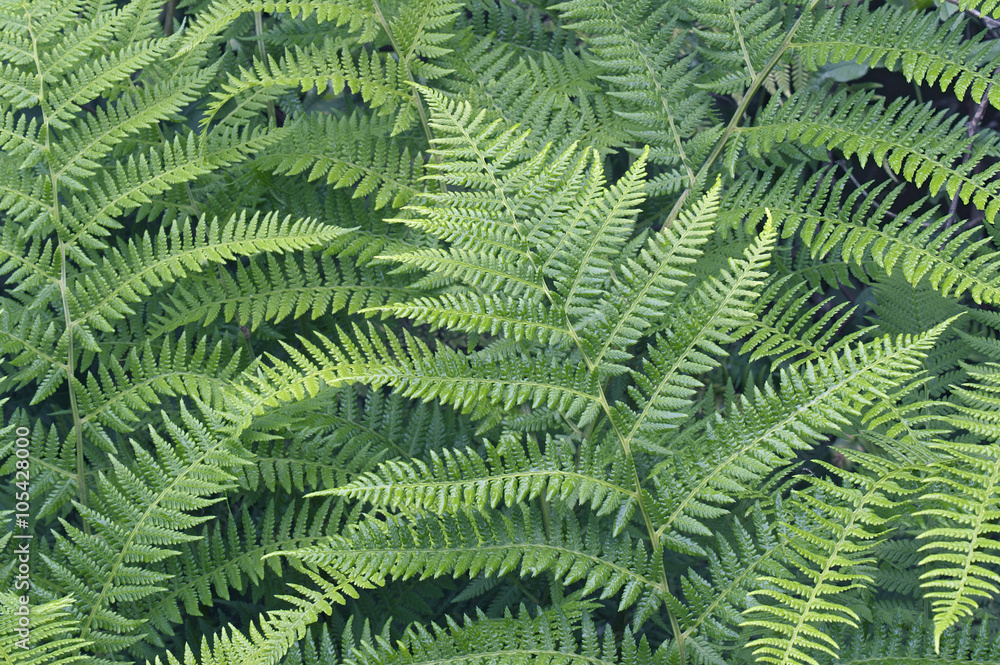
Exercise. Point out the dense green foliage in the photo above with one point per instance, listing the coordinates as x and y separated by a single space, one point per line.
496 331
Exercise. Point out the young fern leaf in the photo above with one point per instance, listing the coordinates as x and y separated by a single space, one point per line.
838 525
963 497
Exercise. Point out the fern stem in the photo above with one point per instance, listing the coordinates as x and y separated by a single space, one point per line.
743 45
81 479
168 17
69 365
734 122
990 23
624 441
654 534
258 28
421 111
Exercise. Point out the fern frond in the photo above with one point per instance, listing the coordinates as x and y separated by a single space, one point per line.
358 15
554 97
917 44
47 637
470 542
837 524
418 36
715 598
131 183
964 499
926 147
641 295
225 560
511 473
738 38
664 384
791 328
127 274
548 637
861 229
415 371
275 632
490 314
157 496
84 145
764 431
355 151
122 388
274 287
582 264
379 79
637 47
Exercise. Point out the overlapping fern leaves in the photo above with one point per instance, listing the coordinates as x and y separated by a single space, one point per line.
590 331
466 515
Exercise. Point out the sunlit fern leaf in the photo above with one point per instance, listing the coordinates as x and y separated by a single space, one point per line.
926 50
834 526
48 635
689 345
960 554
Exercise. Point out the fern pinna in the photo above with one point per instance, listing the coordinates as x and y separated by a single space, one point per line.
376 331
